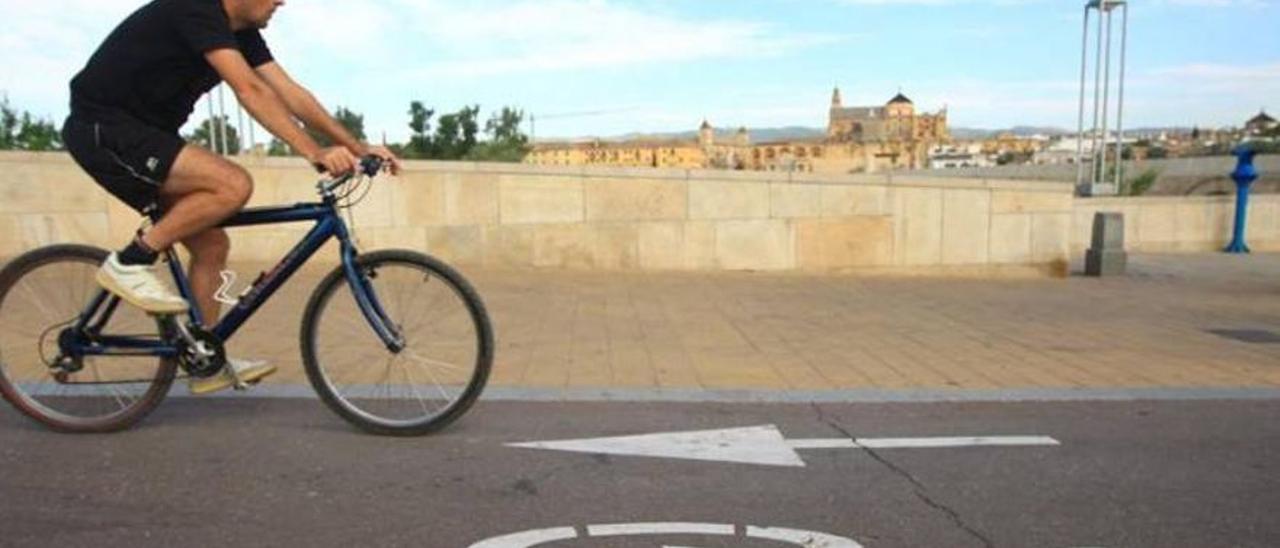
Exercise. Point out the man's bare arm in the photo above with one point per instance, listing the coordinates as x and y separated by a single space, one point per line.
304 105
268 108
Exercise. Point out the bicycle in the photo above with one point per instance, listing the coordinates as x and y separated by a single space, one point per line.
92 368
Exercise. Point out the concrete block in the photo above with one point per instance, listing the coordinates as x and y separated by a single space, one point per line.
1010 238
568 246
616 246
1105 262
1050 237
418 198
700 246
1013 201
463 245
81 228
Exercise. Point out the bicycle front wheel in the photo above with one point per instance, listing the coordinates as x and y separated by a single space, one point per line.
42 295
420 389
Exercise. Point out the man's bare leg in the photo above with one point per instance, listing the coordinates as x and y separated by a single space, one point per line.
202 190
209 250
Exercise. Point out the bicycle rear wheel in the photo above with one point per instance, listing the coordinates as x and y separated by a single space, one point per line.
43 293
428 385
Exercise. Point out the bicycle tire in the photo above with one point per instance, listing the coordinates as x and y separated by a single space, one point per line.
343 406
24 399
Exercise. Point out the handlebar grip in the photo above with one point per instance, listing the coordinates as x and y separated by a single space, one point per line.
370 165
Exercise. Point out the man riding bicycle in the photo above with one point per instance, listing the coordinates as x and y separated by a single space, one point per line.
127 106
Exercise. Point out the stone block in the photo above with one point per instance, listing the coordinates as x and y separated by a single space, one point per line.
10 237
636 200
700 245
1010 238
80 228
527 199
918 232
710 200
413 238
855 200
49 188
417 198
509 246
564 246
462 245
1192 224
966 226
792 201
616 246
754 245
471 199
661 245
833 244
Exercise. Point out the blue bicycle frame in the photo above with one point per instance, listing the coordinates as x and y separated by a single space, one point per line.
81 341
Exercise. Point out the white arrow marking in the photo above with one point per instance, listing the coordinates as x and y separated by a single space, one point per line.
763 445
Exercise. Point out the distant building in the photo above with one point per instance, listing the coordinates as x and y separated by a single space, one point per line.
1260 124
959 155
859 139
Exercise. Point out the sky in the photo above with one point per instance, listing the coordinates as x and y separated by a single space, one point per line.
608 67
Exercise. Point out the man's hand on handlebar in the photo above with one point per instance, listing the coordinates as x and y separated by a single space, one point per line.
389 160
336 161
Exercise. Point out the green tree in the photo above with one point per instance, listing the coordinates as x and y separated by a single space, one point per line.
9 126
207 136
507 143
279 148
455 134
1141 184
420 142
38 135
22 131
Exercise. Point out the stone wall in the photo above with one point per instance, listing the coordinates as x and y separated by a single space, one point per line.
1181 224
504 215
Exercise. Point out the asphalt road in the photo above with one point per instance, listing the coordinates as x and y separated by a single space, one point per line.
286 472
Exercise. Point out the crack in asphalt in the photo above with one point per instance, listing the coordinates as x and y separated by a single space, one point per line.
921 491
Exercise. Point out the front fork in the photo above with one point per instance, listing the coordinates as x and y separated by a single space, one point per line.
360 280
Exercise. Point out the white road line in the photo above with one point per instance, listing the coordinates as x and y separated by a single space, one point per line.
620 529
807 539
526 539
920 443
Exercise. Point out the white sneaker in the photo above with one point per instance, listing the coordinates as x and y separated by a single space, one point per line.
247 372
139 286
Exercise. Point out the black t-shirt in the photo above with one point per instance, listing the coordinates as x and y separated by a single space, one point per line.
152 67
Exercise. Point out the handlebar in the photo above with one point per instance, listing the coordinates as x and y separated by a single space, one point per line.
369 166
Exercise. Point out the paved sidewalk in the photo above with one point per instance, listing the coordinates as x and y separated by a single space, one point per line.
561 332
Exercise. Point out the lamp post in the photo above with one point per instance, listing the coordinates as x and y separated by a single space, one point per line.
1096 182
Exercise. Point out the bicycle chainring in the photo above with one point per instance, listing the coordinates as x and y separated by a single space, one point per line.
206 360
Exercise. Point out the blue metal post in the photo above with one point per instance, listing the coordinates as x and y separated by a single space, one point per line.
1244 176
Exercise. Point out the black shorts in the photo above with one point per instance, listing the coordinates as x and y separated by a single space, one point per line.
131 160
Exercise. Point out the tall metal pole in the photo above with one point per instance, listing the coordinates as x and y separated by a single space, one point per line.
240 125
1097 97
1106 94
1084 64
1124 48
212 126
222 118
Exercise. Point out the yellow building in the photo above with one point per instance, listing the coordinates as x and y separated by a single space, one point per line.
859 139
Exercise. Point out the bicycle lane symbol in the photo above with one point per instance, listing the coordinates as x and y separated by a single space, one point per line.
792 537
